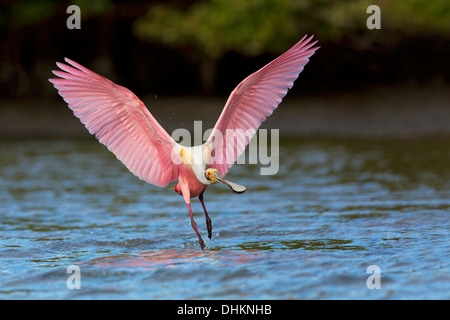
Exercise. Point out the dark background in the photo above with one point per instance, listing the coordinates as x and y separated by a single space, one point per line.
203 49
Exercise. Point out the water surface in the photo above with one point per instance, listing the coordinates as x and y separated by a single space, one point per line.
335 208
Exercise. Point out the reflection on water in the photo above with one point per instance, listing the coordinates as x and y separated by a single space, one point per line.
170 258
334 208
152 259
315 244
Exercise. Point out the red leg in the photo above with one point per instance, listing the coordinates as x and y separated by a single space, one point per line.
194 225
208 220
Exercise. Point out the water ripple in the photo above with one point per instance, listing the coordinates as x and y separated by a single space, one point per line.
335 208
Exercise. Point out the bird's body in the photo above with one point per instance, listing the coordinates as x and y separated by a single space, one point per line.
122 123
192 181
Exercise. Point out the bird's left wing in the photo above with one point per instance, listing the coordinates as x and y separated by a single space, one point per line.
120 121
253 100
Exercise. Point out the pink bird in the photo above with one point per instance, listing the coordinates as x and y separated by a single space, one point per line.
121 122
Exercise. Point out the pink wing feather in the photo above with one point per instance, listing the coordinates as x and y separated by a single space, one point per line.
253 100
120 121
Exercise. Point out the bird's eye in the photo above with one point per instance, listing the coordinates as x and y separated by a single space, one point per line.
207 175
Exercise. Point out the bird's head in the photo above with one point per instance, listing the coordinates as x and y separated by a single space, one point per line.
209 175
213 176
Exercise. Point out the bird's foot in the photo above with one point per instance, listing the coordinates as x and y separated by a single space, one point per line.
202 244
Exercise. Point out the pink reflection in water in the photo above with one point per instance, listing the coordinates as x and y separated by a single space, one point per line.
169 258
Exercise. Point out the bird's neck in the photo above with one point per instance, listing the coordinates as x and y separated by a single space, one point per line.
196 158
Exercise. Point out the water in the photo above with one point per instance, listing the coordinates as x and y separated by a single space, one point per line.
335 208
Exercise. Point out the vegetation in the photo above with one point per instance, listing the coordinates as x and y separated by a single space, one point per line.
252 27
201 33
213 28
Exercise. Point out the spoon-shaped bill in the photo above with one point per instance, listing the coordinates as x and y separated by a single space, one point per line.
233 186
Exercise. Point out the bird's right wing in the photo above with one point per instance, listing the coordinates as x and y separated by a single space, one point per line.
120 121
253 100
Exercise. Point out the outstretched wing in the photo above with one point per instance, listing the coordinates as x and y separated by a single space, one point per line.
253 100
120 121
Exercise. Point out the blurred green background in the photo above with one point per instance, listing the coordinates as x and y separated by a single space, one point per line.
205 48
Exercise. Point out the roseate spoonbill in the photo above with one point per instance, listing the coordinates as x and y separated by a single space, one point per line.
122 123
